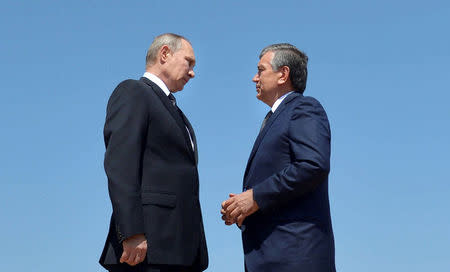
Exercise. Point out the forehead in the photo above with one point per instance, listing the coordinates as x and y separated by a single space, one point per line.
186 49
266 59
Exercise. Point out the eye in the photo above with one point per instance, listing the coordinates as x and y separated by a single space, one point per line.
191 62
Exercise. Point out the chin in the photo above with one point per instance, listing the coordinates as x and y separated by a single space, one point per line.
181 87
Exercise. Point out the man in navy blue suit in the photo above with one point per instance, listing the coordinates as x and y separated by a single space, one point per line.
284 211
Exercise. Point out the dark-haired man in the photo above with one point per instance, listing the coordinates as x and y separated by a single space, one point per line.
284 211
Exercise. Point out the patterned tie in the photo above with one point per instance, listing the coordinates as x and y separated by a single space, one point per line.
174 103
265 120
172 99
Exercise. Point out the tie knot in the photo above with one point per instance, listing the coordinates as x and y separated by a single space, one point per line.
172 99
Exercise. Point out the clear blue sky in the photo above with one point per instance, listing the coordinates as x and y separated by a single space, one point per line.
380 69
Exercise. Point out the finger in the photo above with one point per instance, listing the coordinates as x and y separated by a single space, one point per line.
231 221
144 250
227 220
124 256
142 253
225 204
223 212
138 258
230 207
232 195
235 213
240 219
132 257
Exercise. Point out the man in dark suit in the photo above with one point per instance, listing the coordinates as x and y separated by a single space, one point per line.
151 164
284 211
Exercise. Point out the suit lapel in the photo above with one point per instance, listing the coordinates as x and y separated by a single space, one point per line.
178 116
266 128
191 131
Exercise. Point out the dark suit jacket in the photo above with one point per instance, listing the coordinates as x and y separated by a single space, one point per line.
152 177
288 171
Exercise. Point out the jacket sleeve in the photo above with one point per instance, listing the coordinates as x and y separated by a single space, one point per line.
125 138
309 144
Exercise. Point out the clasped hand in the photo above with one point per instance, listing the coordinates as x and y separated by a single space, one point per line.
134 249
236 208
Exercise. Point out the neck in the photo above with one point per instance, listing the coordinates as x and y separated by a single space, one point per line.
159 73
154 70
278 95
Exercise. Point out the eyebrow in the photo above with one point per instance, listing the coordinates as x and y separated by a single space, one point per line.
191 60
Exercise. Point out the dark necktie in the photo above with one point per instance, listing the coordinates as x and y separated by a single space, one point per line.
172 99
174 103
265 120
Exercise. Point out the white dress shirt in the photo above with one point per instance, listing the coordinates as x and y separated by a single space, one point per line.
279 100
163 87
157 81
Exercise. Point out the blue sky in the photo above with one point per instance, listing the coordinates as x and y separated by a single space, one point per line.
380 69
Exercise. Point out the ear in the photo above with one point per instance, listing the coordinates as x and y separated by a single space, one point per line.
164 53
284 77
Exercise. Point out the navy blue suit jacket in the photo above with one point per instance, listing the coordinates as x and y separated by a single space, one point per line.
288 171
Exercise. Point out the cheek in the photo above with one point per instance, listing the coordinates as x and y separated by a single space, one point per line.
262 82
182 70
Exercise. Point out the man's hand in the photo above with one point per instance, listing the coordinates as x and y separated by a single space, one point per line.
134 249
238 207
228 221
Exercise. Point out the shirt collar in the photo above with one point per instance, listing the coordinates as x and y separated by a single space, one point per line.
279 100
157 81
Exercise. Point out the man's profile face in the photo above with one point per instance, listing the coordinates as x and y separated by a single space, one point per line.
266 80
180 67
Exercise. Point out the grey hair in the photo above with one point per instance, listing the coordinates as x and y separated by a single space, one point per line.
169 39
286 54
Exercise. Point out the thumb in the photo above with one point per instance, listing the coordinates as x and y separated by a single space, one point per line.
240 220
232 195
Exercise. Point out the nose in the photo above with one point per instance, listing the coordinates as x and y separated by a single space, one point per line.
255 78
191 73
